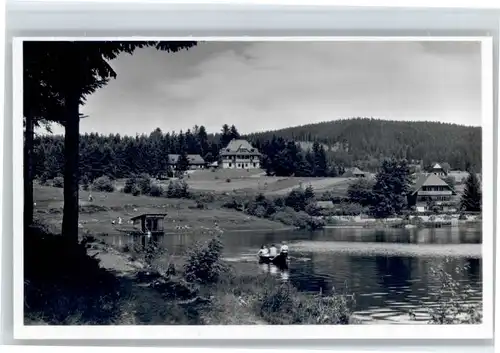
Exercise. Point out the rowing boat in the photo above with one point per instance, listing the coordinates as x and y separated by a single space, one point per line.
279 260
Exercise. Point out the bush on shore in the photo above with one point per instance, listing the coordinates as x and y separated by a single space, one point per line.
103 184
137 185
144 185
289 211
204 264
263 299
178 189
284 305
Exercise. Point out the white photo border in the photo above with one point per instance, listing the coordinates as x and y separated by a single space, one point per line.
237 332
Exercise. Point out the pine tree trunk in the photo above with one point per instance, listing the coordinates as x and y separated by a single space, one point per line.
71 156
28 175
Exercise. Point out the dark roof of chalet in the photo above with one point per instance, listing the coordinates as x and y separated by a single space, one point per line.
428 180
193 159
242 147
152 215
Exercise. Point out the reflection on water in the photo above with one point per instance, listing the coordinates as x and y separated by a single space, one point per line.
386 287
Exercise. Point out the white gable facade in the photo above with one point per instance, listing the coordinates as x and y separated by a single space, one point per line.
240 154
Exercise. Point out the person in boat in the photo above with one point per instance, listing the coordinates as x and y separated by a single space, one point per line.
263 251
284 249
273 252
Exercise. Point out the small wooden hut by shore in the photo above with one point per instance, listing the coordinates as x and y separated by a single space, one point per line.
150 222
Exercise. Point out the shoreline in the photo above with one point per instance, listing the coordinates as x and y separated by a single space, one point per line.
391 249
382 223
245 230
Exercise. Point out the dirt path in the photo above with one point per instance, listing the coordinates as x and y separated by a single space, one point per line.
114 261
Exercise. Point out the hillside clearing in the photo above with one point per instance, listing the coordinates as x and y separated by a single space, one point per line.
96 217
228 180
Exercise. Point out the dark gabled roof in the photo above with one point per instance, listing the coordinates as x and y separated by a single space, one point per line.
242 147
193 159
152 215
428 180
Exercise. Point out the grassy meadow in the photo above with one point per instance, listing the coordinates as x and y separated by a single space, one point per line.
96 217
183 214
254 181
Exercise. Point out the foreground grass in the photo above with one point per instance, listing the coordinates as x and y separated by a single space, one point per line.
271 302
66 286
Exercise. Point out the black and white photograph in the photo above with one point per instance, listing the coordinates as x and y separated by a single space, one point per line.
187 182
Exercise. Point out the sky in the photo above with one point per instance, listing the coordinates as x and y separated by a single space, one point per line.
260 86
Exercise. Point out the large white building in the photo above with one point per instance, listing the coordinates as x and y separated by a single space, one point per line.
240 154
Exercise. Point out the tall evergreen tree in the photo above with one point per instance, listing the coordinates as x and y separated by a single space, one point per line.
472 196
361 191
234 133
202 138
309 193
182 162
181 143
320 163
391 188
214 149
226 136
192 145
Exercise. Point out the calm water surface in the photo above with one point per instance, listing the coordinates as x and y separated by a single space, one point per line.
386 287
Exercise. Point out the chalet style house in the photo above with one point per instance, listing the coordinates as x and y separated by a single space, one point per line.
195 161
240 154
431 191
354 172
438 170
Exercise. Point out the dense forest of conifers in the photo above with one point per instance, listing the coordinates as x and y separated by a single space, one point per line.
363 142
354 142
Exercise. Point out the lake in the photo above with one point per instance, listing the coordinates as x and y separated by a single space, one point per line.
387 270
